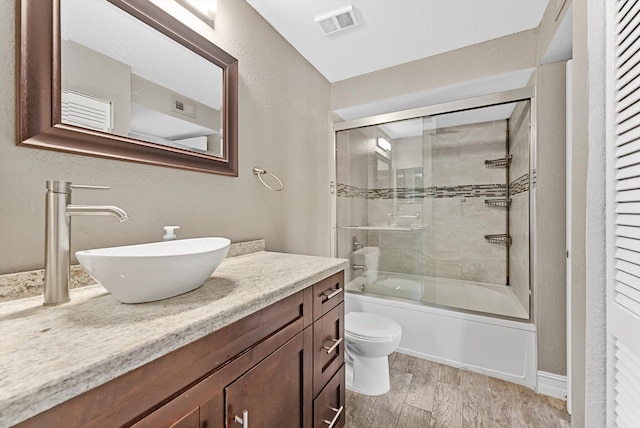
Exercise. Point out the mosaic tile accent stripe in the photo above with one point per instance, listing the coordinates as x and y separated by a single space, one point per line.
348 191
520 185
464 190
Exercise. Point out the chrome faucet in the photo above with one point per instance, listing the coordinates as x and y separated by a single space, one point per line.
58 236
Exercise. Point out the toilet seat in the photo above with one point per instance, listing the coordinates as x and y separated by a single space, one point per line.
371 327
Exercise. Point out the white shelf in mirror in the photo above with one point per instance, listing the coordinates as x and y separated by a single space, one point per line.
416 228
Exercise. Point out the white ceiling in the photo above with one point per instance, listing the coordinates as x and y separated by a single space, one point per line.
392 32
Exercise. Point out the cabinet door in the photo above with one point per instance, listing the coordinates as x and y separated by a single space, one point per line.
328 346
277 391
328 407
188 410
191 420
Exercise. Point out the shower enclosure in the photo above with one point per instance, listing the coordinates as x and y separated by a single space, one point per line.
433 204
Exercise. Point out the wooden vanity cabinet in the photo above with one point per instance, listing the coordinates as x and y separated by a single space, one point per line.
272 392
265 364
328 353
329 405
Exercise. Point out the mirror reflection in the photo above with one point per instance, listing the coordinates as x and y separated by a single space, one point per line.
122 77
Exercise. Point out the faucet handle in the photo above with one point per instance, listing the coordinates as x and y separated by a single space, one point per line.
62 186
84 186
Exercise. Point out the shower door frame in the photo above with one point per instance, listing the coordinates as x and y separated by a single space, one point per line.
497 98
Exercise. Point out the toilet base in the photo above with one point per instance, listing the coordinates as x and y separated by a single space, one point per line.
368 376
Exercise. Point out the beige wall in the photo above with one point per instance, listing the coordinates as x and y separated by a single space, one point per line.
549 245
281 128
158 98
597 366
91 73
509 53
519 253
580 131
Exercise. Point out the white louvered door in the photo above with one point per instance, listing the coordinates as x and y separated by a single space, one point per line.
85 111
623 286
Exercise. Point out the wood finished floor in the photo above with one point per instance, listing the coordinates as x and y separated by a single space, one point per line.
425 394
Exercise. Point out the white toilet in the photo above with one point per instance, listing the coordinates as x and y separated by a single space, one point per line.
369 338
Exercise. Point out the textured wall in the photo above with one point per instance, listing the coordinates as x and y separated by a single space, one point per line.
454 245
550 229
281 128
596 365
509 53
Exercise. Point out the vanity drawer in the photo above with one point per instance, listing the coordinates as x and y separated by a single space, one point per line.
328 347
327 294
329 407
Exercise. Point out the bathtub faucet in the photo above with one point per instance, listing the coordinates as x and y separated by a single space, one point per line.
356 267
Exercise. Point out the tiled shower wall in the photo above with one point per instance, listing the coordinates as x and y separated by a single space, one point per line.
450 202
456 183
519 194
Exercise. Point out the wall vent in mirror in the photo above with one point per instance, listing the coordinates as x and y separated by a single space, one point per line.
123 79
85 111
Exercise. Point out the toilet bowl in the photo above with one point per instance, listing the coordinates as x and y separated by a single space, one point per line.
369 340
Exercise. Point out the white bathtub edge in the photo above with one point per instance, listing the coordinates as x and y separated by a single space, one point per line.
524 325
552 385
500 348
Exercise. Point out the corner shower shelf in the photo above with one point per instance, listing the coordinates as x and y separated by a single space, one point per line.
498 163
498 239
497 202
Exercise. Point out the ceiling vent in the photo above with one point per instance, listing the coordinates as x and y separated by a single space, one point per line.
337 21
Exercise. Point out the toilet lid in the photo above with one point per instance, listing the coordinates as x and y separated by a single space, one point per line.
371 326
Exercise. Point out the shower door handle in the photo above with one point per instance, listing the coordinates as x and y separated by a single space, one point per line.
331 293
336 343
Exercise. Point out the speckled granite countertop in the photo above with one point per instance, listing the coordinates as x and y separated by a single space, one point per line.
51 354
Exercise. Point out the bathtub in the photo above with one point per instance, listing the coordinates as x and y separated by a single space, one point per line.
454 293
497 347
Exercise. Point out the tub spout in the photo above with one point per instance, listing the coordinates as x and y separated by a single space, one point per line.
356 267
98 210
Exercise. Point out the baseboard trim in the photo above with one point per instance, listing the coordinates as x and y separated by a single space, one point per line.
552 384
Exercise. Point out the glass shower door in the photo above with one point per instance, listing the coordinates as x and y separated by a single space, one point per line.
436 209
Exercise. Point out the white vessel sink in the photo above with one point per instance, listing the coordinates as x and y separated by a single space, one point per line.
149 272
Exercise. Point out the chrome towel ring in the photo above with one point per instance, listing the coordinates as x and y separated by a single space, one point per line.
259 172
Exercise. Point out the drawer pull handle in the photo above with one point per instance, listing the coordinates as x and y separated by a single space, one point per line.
244 420
331 293
336 343
332 422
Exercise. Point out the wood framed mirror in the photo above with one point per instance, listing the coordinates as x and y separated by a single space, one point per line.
180 113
